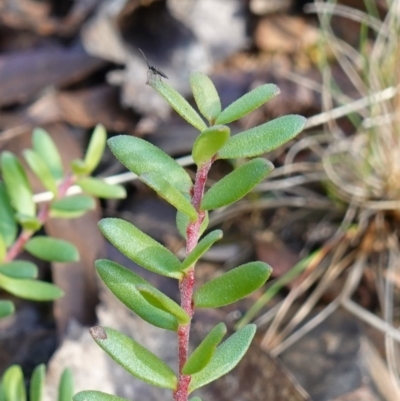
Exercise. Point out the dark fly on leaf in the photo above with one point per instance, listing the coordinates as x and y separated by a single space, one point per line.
153 71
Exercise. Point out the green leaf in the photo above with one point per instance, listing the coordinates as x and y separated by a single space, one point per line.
247 103
182 221
16 181
74 203
101 189
202 355
28 223
209 142
126 286
41 169
30 289
232 286
6 309
170 193
19 269
37 383
47 150
8 226
226 357
140 248
195 399
66 386
205 95
134 358
52 249
236 184
263 139
91 395
96 148
201 248
140 156
178 103
13 382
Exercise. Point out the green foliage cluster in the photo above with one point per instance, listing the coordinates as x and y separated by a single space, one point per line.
12 385
21 218
212 358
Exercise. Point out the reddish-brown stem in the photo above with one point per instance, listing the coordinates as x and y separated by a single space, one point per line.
43 214
186 285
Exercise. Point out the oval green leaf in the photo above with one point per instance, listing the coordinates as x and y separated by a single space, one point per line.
226 357
124 283
66 386
232 286
17 185
74 203
206 96
182 221
201 248
202 355
178 103
236 184
41 170
140 156
13 384
30 289
19 269
45 147
134 358
36 387
8 225
140 248
7 308
247 103
209 142
96 148
91 395
52 249
170 193
264 138
195 399
101 189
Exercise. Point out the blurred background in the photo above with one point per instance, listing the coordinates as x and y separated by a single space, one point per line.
327 218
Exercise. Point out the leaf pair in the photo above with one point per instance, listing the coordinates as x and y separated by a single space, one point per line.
208 101
143 364
151 255
141 297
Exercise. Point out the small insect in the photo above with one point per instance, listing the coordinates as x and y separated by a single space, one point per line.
153 71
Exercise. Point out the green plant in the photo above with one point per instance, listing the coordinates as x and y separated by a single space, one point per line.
12 385
20 218
211 359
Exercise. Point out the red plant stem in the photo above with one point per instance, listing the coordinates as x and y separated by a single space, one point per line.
43 214
186 285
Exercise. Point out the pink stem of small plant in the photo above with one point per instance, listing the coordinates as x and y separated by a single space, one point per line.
186 285
43 214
